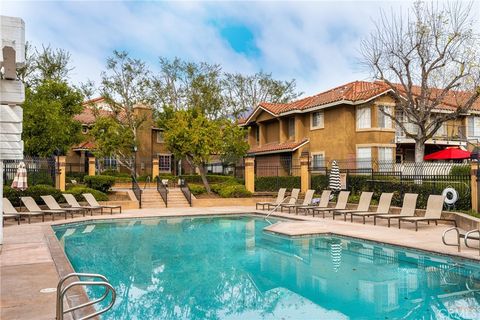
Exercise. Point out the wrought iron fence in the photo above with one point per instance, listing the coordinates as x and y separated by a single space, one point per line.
39 170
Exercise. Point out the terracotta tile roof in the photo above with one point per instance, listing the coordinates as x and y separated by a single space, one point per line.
86 145
88 116
352 92
276 147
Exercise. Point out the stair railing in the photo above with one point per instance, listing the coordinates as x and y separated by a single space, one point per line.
186 191
137 191
163 190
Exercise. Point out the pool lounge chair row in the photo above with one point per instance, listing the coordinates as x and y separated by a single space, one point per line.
54 208
433 211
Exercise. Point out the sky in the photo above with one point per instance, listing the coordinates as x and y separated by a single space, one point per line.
316 42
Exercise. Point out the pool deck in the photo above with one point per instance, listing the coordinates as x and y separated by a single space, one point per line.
32 259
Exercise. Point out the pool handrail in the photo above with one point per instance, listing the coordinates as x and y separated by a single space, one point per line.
278 205
61 291
137 191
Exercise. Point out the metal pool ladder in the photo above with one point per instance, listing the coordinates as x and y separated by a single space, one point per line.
278 205
102 282
461 234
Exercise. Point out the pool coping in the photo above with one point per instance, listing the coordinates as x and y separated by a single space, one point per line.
63 266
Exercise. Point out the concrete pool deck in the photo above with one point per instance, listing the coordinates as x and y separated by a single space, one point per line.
31 259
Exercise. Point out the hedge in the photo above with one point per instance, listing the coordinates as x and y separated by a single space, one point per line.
211 178
463 170
77 176
272 184
34 191
358 183
234 191
77 191
100 183
197 189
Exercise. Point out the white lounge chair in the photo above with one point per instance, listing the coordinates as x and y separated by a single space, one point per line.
93 202
342 201
363 205
72 202
52 204
323 203
408 209
32 206
280 197
306 202
432 213
382 209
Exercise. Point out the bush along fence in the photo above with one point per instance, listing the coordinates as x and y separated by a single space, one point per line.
357 176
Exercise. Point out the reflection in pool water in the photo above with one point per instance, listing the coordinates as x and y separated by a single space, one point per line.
229 268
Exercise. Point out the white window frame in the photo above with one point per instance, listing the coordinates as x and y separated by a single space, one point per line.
321 121
164 168
384 163
364 162
366 113
475 125
315 154
162 139
387 121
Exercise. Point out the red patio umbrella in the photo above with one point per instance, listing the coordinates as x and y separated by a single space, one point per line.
448 154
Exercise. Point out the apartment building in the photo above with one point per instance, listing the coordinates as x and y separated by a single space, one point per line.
150 142
345 123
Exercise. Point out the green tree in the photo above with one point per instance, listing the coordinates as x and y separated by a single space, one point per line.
113 139
244 92
125 84
192 136
48 118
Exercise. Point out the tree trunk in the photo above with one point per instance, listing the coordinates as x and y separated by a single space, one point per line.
419 151
419 154
203 175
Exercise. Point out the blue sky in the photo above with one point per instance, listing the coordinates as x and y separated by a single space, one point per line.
314 42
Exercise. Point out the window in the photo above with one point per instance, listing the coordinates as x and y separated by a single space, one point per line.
164 161
364 118
318 161
384 121
474 126
109 163
317 120
291 128
385 158
257 134
160 137
364 158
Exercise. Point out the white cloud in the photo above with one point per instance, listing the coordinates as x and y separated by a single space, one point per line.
314 42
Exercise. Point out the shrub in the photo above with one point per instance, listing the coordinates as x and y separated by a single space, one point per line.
234 191
77 176
115 173
197 189
101 183
211 178
77 191
34 191
460 170
272 184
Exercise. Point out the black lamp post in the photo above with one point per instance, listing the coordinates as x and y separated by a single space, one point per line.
135 161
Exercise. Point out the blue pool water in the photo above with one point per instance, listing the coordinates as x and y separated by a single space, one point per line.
229 268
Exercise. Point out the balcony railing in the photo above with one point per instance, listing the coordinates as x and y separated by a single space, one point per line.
446 132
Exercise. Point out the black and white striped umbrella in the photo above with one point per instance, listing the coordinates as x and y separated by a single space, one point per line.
334 180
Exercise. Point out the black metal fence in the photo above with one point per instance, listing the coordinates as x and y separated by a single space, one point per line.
400 178
39 170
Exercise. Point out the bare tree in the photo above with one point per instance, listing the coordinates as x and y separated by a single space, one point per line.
429 58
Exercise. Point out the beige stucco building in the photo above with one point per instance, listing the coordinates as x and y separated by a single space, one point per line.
345 124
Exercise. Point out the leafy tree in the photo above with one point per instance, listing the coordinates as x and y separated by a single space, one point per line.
192 136
48 118
244 92
189 85
428 58
125 84
112 138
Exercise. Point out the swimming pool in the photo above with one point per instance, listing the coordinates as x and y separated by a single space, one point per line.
227 267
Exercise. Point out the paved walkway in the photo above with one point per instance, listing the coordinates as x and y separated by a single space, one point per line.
31 259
